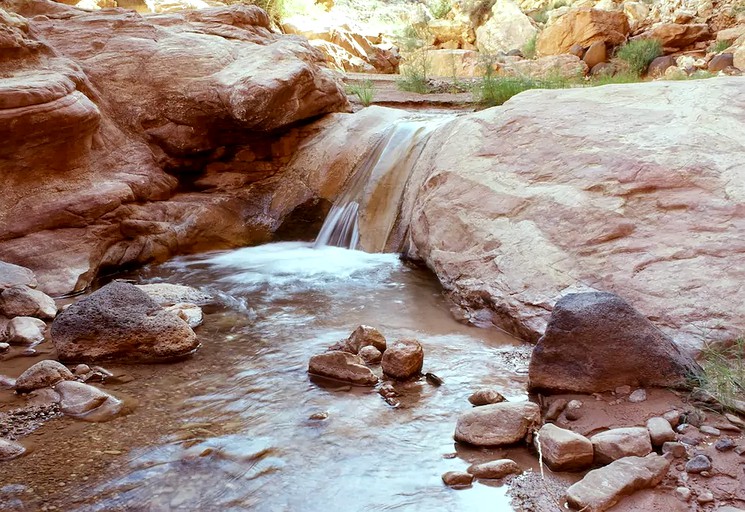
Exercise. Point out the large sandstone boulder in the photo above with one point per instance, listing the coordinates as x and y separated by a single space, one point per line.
551 66
507 29
122 323
583 27
96 107
602 488
611 203
499 424
596 342
674 35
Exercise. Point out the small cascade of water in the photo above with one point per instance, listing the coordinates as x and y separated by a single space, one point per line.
375 190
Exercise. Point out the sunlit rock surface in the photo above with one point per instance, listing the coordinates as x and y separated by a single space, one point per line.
633 189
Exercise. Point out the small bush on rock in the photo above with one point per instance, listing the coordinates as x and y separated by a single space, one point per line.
640 54
364 90
528 48
440 8
413 76
724 372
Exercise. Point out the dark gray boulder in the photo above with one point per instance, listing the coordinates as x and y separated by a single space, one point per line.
120 322
596 342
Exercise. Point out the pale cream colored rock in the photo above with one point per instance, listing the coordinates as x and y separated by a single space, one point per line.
189 313
25 330
550 66
507 29
87 402
455 63
602 488
497 424
617 443
637 13
563 450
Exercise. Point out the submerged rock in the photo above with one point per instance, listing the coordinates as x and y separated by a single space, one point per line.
10 449
500 424
340 365
120 322
486 396
403 360
563 450
602 488
42 375
596 341
495 469
87 402
25 301
457 479
364 336
617 443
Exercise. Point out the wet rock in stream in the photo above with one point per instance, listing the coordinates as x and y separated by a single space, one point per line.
120 321
403 359
365 336
87 402
500 424
486 396
41 375
10 450
495 469
342 366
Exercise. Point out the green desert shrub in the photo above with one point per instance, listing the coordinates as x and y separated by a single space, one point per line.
724 372
639 54
414 74
364 90
440 8
719 46
528 48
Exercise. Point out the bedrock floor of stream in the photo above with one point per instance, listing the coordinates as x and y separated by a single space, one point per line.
230 428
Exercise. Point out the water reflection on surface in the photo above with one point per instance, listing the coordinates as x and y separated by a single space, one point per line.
246 440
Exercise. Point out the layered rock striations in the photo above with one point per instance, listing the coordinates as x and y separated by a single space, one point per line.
128 138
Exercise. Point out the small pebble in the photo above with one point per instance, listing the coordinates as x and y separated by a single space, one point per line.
683 493
698 464
573 410
739 450
623 390
319 416
4 347
555 409
672 417
638 396
705 497
81 369
486 396
676 449
724 445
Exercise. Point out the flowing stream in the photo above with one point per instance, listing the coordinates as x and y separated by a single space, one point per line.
242 434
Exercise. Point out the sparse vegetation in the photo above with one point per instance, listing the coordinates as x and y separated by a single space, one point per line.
529 48
719 46
541 15
639 54
414 73
364 90
440 8
724 372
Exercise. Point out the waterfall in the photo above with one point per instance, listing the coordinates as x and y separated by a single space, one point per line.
373 193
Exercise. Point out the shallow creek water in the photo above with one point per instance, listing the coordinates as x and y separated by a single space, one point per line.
234 428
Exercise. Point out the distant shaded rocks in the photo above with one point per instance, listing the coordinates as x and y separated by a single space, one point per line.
120 321
499 424
41 375
343 366
486 396
596 342
403 359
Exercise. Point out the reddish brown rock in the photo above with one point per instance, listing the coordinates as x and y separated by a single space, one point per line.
720 62
93 116
674 35
403 359
583 27
595 55
342 366
659 65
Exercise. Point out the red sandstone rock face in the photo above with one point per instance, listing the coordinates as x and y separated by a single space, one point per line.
95 107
